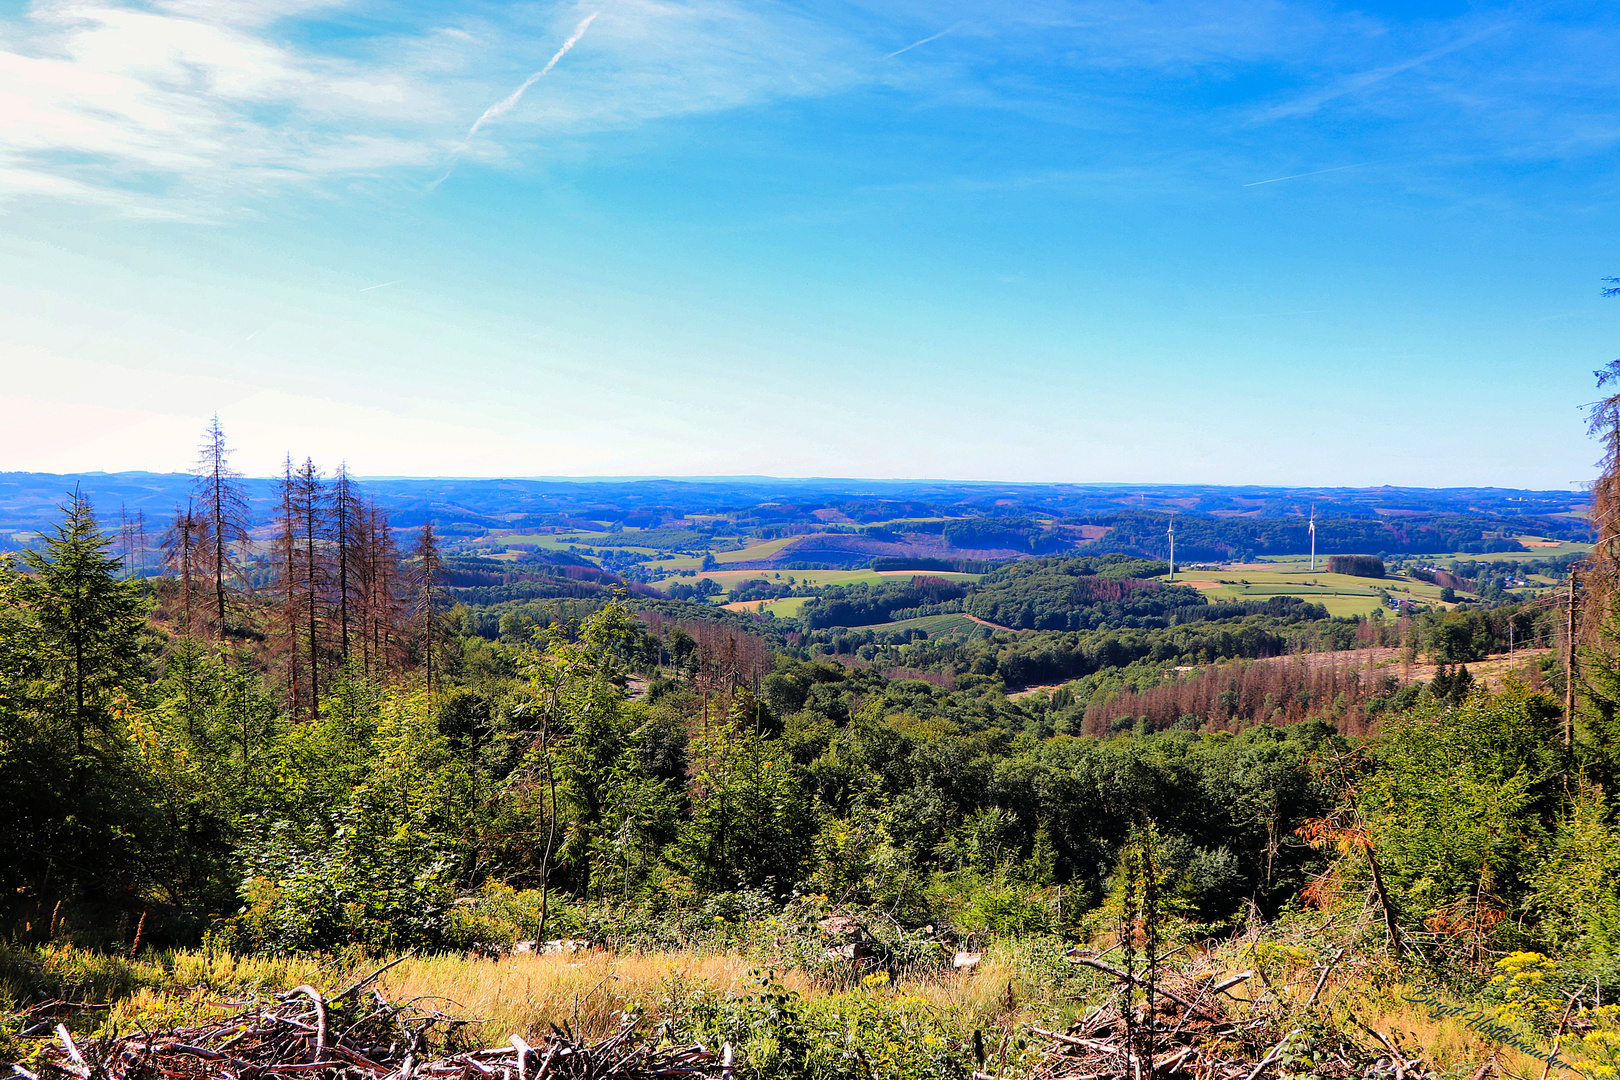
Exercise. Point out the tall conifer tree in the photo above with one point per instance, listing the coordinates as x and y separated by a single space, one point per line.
86 620
225 509
428 572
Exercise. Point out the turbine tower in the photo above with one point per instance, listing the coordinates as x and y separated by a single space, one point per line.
1313 539
1172 535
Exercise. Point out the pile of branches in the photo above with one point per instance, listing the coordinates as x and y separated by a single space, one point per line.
358 1035
1183 1027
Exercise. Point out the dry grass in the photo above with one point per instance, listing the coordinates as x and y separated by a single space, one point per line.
1446 1042
193 986
526 994
1370 996
589 990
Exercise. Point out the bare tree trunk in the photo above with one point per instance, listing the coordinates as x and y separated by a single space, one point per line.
226 508
365 581
427 575
180 550
343 525
288 555
309 512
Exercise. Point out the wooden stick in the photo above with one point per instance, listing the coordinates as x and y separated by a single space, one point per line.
523 1050
1558 1035
310 1066
196 1051
72 1049
1276 1051
320 1015
1119 974
1227 984
356 1058
1088 1044
1326 968
1397 1058
1172 1056
363 983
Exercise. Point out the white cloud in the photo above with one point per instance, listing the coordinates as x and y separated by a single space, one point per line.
194 108
200 108
163 113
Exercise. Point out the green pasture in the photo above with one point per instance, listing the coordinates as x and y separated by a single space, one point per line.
932 625
556 542
765 549
1564 547
1341 594
871 577
1298 563
729 579
787 607
682 562
762 549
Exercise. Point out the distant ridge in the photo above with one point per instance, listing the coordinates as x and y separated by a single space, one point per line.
30 500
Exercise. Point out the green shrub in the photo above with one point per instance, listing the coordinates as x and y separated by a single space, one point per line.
866 1034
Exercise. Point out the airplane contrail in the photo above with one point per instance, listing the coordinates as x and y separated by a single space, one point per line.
1318 172
924 41
507 103
384 285
1311 102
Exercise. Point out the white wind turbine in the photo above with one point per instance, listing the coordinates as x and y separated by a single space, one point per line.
1172 534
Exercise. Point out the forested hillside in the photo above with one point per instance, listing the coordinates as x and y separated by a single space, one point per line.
29 500
322 735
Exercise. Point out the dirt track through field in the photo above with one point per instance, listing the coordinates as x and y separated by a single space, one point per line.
993 625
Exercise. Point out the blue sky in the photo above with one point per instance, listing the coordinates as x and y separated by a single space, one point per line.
1237 242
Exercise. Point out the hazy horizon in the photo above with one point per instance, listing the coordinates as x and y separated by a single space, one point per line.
1124 485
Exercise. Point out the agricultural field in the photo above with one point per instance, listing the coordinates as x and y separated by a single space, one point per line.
551 541
786 607
933 625
729 579
1540 548
763 549
1341 594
